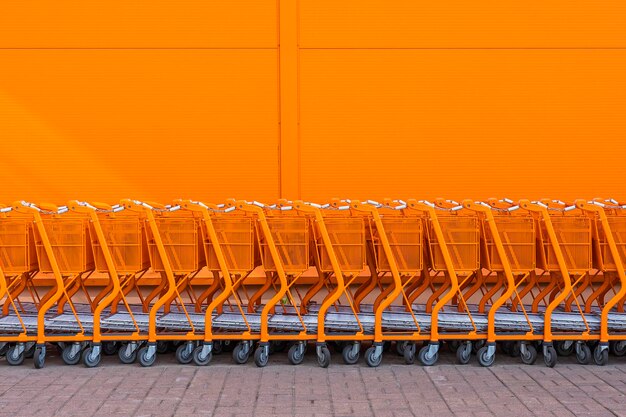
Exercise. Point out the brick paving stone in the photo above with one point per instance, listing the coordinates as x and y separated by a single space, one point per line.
394 389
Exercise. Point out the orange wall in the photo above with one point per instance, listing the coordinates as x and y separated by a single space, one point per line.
312 99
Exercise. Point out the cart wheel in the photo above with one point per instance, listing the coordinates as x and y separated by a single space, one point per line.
294 355
125 356
515 350
13 358
619 348
549 357
583 354
464 353
386 345
400 346
506 347
372 359
278 346
261 358
163 346
564 347
349 357
425 359
600 356
241 353
453 345
409 354
530 356
218 347
30 350
60 346
89 359
109 348
323 359
39 357
70 358
198 360
184 355
484 359
477 345
228 345
4 349
144 361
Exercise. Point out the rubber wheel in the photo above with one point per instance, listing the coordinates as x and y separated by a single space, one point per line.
241 354
583 354
409 354
12 360
30 352
600 356
218 347
506 347
515 350
39 358
400 346
424 359
530 357
350 358
88 360
549 357
323 360
184 356
67 356
564 347
109 348
201 361
373 360
618 348
453 345
261 358
294 355
464 353
484 359
477 345
163 346
127 359
4 349
144 361
278 346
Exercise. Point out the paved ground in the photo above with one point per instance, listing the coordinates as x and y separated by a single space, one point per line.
394 389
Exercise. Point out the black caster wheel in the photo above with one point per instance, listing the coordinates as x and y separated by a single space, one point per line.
71 354
261 356
425 358
241 353
549 356
13 357
109 348
198 359
564 347
350 357
295 354
184 354
90 359
145 360
583 354
373 359
484 358
409 354
323 357
601 356
464 353
529 356
39 357
127 356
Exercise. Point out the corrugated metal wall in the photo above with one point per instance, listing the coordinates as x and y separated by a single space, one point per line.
312 99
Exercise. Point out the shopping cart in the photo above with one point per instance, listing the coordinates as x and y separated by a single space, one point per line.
564 254
508 237
609 230
120 251
62 248
230 246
